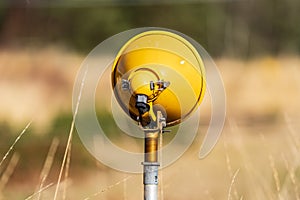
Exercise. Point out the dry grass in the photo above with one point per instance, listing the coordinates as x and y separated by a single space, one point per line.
108 188
47 166
259 158
42 189
36 78
232 184
9 171
14 143
67 155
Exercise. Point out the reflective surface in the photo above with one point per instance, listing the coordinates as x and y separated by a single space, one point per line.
167 61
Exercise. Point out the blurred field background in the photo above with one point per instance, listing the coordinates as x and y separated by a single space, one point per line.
255 45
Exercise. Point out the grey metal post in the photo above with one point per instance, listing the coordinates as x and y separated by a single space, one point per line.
151 163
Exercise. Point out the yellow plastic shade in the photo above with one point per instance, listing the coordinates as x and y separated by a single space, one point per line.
167 61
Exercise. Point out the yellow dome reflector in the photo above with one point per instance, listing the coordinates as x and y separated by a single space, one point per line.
158 70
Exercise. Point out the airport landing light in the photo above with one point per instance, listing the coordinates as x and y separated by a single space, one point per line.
158 79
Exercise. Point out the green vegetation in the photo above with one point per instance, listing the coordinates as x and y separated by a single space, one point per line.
235 28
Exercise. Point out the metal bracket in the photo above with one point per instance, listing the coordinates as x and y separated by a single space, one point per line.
125 85
160 84
151 173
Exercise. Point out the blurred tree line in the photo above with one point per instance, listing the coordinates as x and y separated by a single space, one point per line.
238 28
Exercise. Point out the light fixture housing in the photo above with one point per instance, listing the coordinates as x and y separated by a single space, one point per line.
158 70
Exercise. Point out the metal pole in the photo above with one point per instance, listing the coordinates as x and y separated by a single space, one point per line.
151 163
